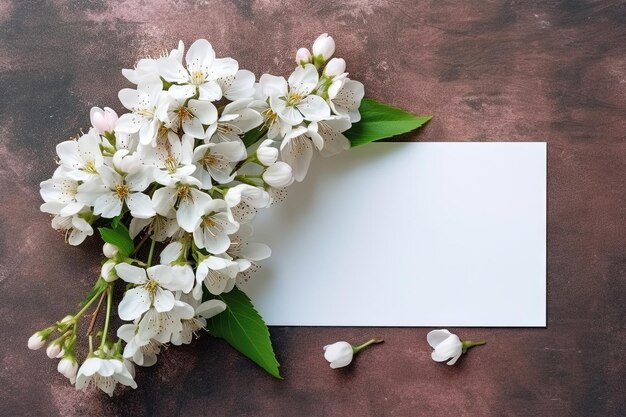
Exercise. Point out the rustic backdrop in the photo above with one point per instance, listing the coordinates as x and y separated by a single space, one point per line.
487 71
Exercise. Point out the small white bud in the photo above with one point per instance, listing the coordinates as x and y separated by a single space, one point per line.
109 250
108 272
324 46
53 350
339 354
335 66
278 175
36 341
266 154
303 56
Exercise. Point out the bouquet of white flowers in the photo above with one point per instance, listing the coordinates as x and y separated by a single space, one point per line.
201 148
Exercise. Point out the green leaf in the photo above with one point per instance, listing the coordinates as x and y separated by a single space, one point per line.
119 237
252 136
244 329
380 121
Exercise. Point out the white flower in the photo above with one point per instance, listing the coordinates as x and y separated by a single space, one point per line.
189 201
303 56
296 149
161 326
330 133
171 155
216 161
68 368
104 373
75 227
235 120
447 345
217 223
190 116
143 352
278 175
113 190
202 71
323 47
293 100
147 108
154 288
203 311
244 200
82 158
59 193
345 97
339 354
103 120
218 275
335 67
158 227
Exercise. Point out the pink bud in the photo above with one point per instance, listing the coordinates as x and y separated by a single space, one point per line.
103 120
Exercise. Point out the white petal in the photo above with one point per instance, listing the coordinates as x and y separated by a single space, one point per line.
210 91
163 300
200 56
134 303
140 206
272 85
181 92
205 111
210 308
223 67
163 200
107 205
314 108
68 154
193 127
131 273
435 337
172 70
129 123
255 251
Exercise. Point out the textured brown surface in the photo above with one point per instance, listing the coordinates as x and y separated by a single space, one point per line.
520 71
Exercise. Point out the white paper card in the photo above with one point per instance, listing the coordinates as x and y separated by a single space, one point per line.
409 234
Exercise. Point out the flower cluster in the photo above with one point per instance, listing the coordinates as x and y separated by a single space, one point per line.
201 147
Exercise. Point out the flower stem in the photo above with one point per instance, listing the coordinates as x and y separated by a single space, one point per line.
95 314
86 306
357 349
469 344
108 316
152 244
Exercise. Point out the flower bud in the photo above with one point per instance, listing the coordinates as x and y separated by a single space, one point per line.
108 272
68 368
324 47
339 354
447 346
53 350
278 175
36 341
335 66
103 120
266 154
303 56
109 250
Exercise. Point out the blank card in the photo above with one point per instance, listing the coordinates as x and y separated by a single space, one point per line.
409 234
